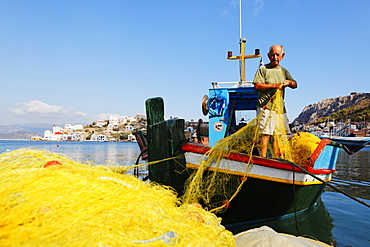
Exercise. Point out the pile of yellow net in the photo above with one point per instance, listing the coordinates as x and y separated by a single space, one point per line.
215 190
47 199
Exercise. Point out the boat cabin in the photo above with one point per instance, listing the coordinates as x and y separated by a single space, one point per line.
230 108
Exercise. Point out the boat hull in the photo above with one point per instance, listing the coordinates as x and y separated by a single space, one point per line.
268 192
265 200
273 188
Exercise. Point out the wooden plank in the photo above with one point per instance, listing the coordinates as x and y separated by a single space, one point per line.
164 139
157 140
176 138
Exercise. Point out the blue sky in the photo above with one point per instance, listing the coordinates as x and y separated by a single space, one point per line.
79 61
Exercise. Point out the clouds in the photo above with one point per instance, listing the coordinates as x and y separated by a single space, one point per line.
231 5
258 5
41 112
37 110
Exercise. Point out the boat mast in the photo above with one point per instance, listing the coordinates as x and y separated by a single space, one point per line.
242 55
242 42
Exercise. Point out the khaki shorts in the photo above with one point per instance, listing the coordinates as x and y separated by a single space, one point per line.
271 123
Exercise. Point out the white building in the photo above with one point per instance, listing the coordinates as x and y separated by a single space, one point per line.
131 138
98 138
113 121
63 134
49 136
57 129
102 138
127 119
140 116
131 119
74 127
101 123
129 127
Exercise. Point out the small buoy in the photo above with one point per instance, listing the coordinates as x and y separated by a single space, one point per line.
226 203
57 145
52 163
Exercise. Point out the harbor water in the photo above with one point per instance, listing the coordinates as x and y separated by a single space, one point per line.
337 219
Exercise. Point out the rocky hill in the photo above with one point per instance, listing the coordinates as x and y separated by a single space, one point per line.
355 106
23 131
18 135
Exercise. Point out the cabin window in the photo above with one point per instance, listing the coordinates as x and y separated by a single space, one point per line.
243 117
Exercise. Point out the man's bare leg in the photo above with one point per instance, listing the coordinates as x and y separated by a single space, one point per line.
264 142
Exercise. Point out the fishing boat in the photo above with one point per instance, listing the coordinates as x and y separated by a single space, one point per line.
274 188
268 188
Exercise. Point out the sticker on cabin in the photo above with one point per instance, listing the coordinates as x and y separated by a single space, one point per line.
218 126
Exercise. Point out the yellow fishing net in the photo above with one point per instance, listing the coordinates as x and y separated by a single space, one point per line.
216 189
303 145
47 199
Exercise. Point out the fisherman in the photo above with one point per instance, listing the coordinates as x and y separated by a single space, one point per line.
268 79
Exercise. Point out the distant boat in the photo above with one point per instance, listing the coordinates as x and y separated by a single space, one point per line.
351 144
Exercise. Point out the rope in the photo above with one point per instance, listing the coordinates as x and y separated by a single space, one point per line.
331 186
295 204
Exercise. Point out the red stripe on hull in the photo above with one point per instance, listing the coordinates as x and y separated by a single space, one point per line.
284 165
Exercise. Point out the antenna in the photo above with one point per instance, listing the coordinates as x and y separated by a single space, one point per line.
240 19
242 55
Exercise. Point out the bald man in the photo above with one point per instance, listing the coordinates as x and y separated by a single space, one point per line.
268 79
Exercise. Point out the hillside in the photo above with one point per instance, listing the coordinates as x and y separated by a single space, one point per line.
355 106
23 131
18 135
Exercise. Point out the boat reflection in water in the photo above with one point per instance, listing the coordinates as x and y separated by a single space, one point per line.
314 223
